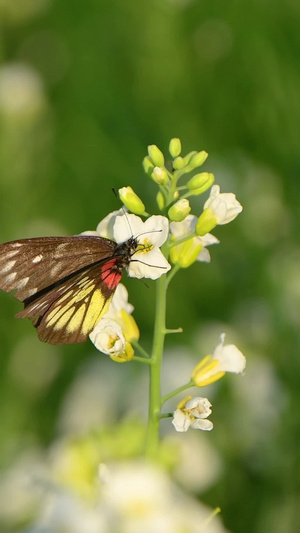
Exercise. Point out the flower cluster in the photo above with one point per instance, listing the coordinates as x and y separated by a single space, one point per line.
176 235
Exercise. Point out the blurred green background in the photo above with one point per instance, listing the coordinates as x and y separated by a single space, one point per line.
84 88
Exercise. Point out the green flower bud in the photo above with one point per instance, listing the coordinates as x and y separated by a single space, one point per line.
175 147
189 156
186 254
179 211
178 163
148 165
206 222
156 155
200 182
160 176
160 199
198 159
131 200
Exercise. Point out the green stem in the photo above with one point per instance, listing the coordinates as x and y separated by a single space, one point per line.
174 270
177 330
142 360
183 239
172 189
140 349
152 440
177 391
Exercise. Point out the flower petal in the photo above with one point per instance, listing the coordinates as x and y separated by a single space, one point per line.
181 421
151 265
199 407
119 302
204 424
158 227
105 226
230 358
108 338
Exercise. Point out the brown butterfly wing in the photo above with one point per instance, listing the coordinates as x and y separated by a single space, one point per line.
66 283
30 265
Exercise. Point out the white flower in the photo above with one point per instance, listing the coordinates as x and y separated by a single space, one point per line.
187 227
105 227
229 357
119 312
193 413
119 303
224 206
108 337
147 261
213 367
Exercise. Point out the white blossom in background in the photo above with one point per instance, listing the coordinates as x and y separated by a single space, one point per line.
21 91
140 497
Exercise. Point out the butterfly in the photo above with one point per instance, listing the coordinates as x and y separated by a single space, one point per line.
65 283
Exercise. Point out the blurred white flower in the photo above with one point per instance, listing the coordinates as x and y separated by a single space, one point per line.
63 511
140 497
195 475
21 91
260 387
21 491
84 405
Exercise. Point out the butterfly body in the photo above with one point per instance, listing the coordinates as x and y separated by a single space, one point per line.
66 283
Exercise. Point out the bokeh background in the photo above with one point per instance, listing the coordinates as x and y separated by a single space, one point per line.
84 88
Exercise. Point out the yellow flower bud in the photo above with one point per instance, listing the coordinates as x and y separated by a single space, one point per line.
160 176
180 210
178 163
198 159
206 222
160 199
156 155
148 165
186 254
175 147
200 182
189 156
131 200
